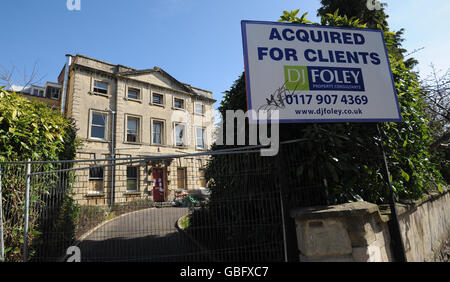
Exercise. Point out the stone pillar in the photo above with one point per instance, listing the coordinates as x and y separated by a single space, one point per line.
353 232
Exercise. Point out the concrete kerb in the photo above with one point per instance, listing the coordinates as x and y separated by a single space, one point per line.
190 238
85 235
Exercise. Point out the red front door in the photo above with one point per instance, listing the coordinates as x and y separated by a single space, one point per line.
158 185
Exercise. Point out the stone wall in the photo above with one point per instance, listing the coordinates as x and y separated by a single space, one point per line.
358 232
425 226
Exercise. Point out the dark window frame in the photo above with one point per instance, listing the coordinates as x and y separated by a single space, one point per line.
158 95
134 177
184 178
183 104
137 91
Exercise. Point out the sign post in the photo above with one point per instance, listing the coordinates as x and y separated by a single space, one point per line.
316 74
399 247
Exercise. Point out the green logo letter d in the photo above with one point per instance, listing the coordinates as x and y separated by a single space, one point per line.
296 78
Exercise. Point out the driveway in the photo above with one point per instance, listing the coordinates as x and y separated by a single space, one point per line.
147 235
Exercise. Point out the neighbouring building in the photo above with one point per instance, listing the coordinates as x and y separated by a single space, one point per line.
50 93
123 112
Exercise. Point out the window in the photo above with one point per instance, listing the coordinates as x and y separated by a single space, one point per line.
158 129
100 87
96 175
132 178
157 99
199 109
178 103
98 126
181 178
133 129
134 94
35 92
41 93
180 135
200 137
54 93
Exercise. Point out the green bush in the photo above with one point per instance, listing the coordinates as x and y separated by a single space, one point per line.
32 130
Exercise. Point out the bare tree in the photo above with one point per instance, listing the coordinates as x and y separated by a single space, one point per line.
13 77
437 96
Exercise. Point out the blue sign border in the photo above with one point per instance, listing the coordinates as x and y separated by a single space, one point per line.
247 74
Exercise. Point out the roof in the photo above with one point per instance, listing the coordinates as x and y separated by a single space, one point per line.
132 71
159 70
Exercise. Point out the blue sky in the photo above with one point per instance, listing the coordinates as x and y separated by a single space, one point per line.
196 41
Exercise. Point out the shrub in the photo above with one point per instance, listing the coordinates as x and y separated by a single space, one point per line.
32 130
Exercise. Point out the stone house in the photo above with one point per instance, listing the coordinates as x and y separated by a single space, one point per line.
123 112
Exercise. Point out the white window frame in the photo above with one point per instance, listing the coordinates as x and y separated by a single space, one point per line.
195 108
203 137
99 93
91 118
185 143
138 131
163 131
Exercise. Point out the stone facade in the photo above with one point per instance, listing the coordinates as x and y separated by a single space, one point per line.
119 94
359 232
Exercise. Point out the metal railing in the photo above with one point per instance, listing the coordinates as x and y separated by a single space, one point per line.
141 214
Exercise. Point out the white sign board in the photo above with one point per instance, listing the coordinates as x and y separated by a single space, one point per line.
318 74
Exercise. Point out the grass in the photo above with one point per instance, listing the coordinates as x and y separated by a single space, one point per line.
110 216
185 222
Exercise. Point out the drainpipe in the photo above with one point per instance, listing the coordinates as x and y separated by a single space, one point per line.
66 78
113 156
113 144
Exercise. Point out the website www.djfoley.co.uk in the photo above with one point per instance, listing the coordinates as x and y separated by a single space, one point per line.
329 111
